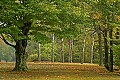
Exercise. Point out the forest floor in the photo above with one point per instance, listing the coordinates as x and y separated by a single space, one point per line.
57 71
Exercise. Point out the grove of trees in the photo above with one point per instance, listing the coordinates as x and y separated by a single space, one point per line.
62 31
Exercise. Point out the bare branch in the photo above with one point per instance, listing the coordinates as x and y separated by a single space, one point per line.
3 38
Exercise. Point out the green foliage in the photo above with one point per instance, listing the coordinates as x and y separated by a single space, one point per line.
116 49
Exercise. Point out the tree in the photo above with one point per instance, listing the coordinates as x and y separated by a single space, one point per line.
39 52
17 18
100 45
21 19
53 40
62 50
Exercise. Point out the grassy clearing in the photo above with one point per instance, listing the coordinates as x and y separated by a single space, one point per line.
57 71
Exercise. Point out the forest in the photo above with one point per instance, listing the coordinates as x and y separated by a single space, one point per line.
66 31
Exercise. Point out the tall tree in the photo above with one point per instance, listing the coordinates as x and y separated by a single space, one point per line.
111 50
62 50
83 50
92 48
53 40
18 18
39 52
21 19
100 46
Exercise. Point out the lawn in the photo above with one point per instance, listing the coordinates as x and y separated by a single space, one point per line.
57 71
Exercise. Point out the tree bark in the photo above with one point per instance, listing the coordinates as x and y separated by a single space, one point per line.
39 53
100 47
83 51
70 51
53 37
106 49
21 56
111 51
20 47
62 51
91 50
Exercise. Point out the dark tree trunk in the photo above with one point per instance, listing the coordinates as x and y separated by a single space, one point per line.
111 51
106 49
21 56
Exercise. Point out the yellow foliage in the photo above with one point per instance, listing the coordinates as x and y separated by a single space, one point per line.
96 16
118 18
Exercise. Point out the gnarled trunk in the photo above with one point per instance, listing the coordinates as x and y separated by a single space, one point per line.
21 56
20 47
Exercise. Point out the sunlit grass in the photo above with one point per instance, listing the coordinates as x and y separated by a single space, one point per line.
57 71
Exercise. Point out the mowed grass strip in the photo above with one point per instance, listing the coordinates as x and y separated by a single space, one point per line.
57 71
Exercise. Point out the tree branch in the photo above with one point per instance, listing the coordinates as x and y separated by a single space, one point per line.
3 38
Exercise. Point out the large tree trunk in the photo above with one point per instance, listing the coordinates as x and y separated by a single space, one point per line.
100 47
106 49
21 56
20 47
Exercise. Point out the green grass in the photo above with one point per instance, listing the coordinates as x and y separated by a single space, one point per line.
57 71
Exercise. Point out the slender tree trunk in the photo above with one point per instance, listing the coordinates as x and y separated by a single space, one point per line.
83 50
62 50
111 51
106 49
91 50
39 52
21 56
100 47
53 47
70 51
